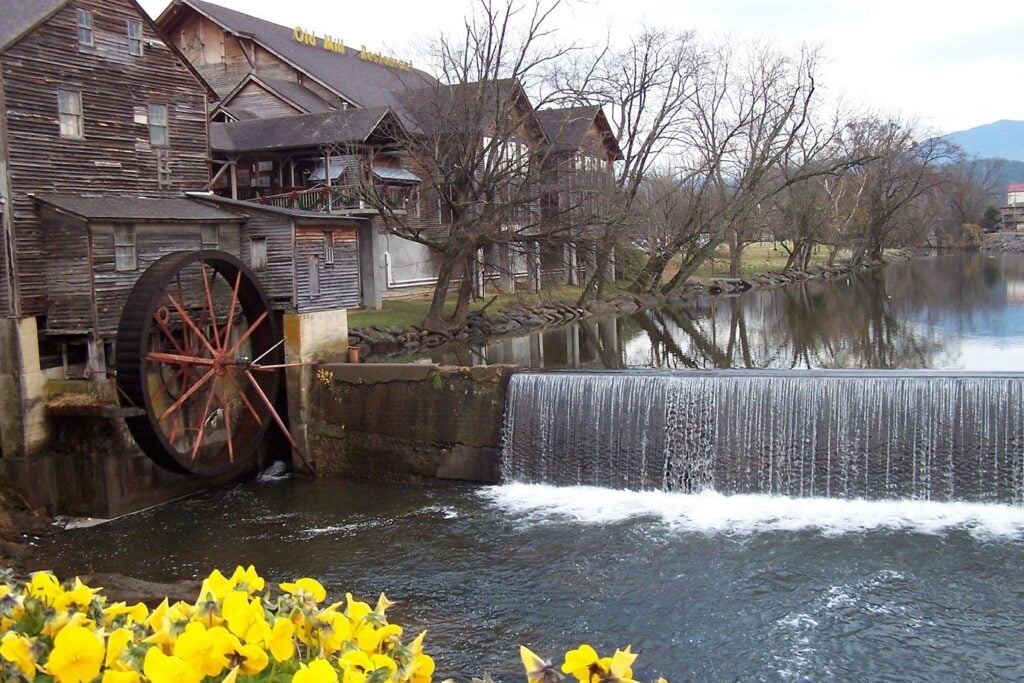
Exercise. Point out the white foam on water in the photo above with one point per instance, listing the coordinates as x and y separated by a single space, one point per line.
714 513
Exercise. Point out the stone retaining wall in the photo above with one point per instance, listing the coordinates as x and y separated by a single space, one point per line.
1005 242
395 422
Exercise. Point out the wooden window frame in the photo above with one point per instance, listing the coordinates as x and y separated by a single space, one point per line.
313 265
85 25
70 116
328 247
154 128
260 265
135 41
205 230
126 249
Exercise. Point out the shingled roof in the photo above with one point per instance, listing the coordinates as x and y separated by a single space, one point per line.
302 130
567 128
19 17
137 209
363 82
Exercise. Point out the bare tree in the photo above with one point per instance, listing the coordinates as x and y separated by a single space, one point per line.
476 141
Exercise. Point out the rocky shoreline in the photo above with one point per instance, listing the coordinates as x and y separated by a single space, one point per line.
379 341
1004 243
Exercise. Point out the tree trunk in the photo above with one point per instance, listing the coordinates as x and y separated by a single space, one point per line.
687 268
461 313
735 255
435 316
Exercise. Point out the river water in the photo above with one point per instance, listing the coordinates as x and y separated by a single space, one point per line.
705 586
962 311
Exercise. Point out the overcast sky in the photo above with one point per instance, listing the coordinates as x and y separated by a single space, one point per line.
953 65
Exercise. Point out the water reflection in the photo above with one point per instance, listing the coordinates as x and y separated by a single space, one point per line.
959 311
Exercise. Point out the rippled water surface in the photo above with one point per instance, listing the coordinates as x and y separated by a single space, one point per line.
705 587
961 311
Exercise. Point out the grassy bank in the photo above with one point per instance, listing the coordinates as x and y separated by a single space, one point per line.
758 258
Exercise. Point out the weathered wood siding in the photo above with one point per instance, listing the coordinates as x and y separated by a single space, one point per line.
339 282
278 279
224 60
152 242
260 102
70 286
114 155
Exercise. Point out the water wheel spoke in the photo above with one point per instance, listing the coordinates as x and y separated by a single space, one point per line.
231 308
177 359
227 428
245 400
245 335
162 326
277 418
209 305
178 376
278 366
204 420
187 319
188 393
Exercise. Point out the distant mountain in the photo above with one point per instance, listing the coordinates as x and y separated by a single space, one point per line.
999 140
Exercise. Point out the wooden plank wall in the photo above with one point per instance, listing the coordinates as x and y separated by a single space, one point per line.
152 242
339 283
278 279
70 290
263 104
115 156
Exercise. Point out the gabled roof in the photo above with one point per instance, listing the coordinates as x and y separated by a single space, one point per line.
136 209
18 18
294 94
464 107
21 16
303 130
1016 187
567 128
362 82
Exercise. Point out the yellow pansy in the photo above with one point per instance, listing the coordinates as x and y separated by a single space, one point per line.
19 651
77 655
45 587
356 609
421 668
583 663
306 589
619 666
248 579
245 617
161 668
134 614
250 656
117 644
282 641
538 670
127 676
206 650
334 630
318 671
217 585
79 597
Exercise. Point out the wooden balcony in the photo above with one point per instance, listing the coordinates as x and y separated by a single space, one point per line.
342 199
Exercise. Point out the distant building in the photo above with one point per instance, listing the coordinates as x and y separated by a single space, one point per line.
1013 212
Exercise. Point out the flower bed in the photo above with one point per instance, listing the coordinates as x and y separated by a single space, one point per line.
234 632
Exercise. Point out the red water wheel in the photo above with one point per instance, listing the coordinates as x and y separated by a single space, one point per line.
198 350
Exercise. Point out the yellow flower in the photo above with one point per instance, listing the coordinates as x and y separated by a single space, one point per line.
77 655
216 584
248 579
44 586
538 670
583 663
251 657
245 618
421 668
78 597
129 676
206 650
161 668
382 604
334 630
356 609
318 671
306 589
118 643
134 614
281 641
19 651
619 666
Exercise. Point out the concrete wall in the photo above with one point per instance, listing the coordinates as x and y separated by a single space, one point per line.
407 422
22 410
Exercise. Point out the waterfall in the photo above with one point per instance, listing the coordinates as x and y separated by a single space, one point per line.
843 434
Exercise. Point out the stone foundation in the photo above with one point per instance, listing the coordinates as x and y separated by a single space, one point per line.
407 422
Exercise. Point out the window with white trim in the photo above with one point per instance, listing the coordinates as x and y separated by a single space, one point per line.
159 132
328 248
69 108
85 33
125 252
258 253
135 37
